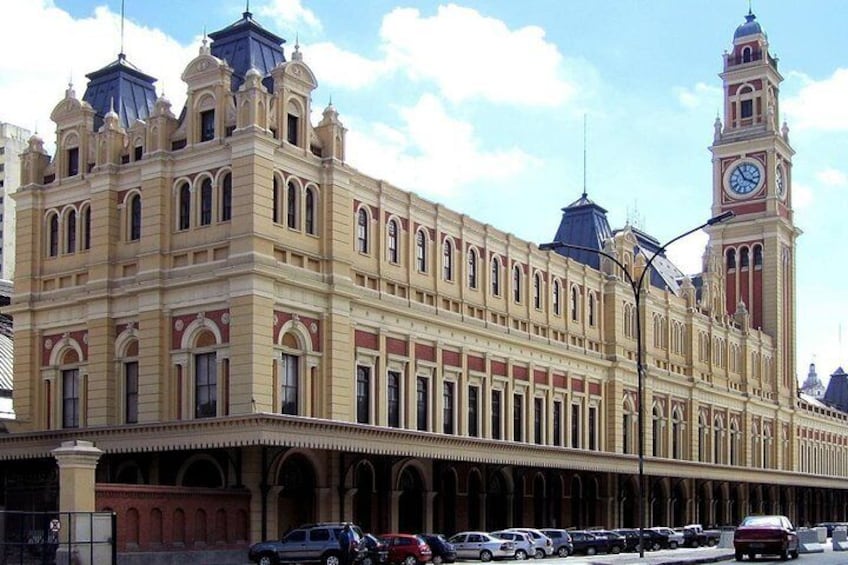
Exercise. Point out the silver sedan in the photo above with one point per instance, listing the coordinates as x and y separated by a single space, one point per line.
482 546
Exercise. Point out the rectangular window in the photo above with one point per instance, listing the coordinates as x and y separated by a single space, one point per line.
593 432
131 392
747 108
517 401
289 372
207 125
291 129
538 419
137 153
557 422
496 414
447 408
73 161
422 404
575 425
363 394
205 386
473 409
394 399
70 398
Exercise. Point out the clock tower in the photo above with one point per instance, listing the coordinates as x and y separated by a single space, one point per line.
752 176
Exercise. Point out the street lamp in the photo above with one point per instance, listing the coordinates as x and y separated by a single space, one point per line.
636 287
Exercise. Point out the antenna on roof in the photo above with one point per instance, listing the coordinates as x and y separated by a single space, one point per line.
121 54
584 155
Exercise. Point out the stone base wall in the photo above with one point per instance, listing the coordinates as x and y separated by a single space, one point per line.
153 518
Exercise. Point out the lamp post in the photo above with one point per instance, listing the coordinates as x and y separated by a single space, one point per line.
636 288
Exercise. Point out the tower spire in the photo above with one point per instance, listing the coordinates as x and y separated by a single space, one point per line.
121 53
584 156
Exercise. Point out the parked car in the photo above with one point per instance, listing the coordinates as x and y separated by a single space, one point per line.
371 550
830 526
765 535
561 540
310 543
524 546
590 543
675 539
694 535
443 550
407 549
482 546
653 540
544 547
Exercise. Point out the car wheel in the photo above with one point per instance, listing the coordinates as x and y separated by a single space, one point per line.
655 546
711 542
267 559
562 552
739 556
784 555
672 545
695 543
410 560
591 551
367 560
485 555
520 555
437 560
751 556
540 554
615 549
794 554
331 559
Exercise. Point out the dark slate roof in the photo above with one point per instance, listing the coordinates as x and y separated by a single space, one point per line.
583 223
836 394
750 27
663 272
121 84
244 45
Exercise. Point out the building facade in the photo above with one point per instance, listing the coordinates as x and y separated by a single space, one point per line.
256 334
13 140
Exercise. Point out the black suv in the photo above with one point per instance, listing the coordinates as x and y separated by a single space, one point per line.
310 543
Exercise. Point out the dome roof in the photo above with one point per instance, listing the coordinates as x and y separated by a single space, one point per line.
750 27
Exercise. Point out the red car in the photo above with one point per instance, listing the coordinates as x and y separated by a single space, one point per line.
765 535
407 549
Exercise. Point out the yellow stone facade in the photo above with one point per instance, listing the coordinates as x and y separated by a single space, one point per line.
261 261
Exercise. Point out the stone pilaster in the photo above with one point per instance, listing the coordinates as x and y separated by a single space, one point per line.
77 460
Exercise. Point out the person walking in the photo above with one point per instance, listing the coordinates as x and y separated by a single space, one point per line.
345 546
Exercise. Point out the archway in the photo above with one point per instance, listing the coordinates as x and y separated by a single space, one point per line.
411 501
496 503
296 501
474 500
678 506
555 497
657 515
363 501
539 515
704 502
445 521
628 503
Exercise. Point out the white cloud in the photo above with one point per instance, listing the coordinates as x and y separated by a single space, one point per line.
29 91
832 177
802 196
699 96
820 104
336 67
688 253
288 14
432 153
469 55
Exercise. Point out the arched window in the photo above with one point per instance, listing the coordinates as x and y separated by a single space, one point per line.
731 258
185 207
227 198
275 211
71 232
392 244
496 276
292 205
703 435
289 381
361 230
86 227
516 283
591 308
656 424
206 202
421 251
311 219
135 217
472 268
758 256
537 291
557 298
746 54
734 442
677 427
575 304
447 260
743 258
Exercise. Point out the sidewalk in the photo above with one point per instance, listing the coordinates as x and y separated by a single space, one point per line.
680 557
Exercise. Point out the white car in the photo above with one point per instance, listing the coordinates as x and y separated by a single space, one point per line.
524 546
482 546
675 539
543 544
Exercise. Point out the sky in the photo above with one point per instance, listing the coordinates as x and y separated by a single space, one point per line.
480 105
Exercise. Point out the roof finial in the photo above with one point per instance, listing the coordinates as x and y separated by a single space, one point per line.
584 156
247 15
121 53
750 8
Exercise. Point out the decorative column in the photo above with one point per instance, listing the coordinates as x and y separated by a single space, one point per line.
77 460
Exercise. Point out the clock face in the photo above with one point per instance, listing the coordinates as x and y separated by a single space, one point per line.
780 182
745 178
